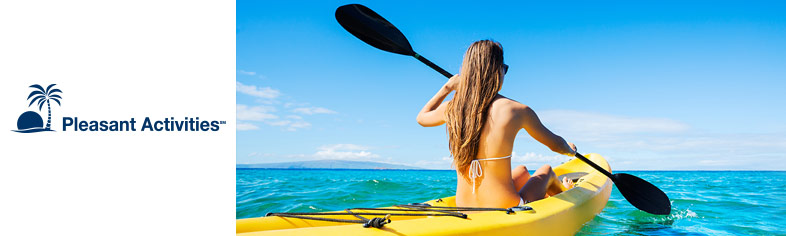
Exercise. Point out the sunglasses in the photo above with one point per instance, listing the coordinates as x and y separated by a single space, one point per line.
505 68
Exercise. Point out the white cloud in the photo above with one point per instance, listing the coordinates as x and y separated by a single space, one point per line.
259 154
344 151
715 162
255 113
295 104
262 92
300 124
345 146
655 134
313 110
595 123
290 125
246 72
266 101
707 143
659 143
530 157
265 114
443 163
246 126
279 123
611 131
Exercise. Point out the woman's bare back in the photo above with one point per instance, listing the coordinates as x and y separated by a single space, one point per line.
495 187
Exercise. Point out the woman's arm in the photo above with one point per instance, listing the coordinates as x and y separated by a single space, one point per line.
535 128
433 113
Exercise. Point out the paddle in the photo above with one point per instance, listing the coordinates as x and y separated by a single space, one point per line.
370 27
638 192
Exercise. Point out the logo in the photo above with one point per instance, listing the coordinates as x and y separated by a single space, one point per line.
31 121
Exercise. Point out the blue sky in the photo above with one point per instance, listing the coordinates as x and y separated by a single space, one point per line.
650 85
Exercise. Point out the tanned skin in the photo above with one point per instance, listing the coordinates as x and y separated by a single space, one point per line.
500 185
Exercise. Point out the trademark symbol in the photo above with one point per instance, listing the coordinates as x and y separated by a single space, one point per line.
223 122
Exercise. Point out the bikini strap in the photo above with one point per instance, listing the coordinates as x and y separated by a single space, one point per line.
494 158
476 171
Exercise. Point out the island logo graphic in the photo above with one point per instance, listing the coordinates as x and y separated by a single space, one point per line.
31 121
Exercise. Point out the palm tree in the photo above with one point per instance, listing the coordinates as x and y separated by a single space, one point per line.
44 95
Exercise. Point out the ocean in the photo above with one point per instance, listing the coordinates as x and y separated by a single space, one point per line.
703 202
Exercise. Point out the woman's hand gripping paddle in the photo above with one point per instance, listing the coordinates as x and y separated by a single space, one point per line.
370 27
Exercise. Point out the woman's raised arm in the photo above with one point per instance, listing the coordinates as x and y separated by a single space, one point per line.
433 113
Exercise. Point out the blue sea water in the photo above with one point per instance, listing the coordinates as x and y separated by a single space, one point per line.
703 202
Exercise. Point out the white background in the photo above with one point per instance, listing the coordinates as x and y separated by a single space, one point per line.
116 60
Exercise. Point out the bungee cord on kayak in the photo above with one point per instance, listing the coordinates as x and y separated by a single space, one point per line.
378 222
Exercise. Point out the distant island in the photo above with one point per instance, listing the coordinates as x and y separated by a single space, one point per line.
328 164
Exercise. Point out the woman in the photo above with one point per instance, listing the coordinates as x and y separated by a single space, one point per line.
481 127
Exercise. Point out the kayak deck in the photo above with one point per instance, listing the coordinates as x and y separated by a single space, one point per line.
562 214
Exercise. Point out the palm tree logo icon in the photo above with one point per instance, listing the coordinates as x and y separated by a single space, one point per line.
30 121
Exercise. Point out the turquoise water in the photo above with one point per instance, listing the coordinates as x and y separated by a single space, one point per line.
703 202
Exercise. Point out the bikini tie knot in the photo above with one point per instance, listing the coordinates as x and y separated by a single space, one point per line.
475 171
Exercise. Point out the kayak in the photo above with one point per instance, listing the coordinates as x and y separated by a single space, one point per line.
561 214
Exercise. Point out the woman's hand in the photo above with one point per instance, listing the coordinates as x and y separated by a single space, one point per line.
573 148
453 83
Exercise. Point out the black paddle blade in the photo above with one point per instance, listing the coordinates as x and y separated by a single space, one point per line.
642 194
370 27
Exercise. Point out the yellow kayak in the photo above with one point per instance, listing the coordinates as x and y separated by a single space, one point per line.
562 214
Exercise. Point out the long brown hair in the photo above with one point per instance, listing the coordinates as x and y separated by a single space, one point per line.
481 79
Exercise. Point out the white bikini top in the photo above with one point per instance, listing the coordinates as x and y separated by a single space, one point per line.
476 171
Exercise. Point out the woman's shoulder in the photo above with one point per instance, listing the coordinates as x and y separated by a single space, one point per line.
509 109
505 104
